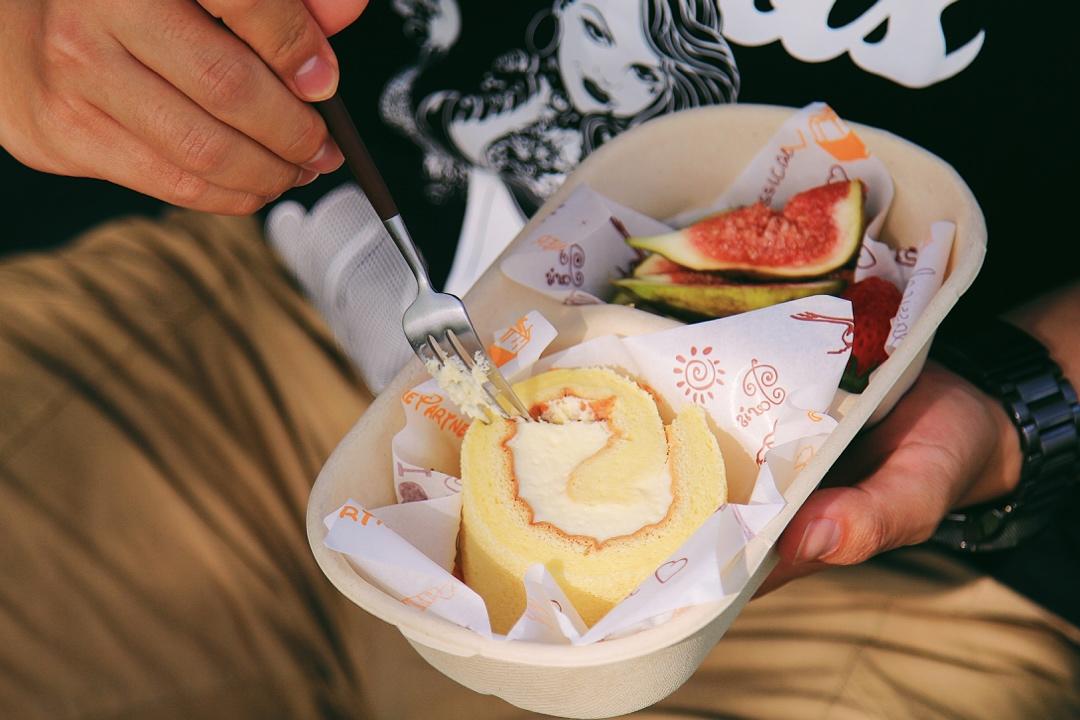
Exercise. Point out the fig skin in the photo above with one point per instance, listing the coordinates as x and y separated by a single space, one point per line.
719 298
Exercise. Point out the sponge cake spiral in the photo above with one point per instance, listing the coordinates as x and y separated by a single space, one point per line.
599 491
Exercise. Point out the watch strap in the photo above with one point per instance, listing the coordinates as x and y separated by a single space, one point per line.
1010 365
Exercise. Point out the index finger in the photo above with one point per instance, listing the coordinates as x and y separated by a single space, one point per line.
287 38
226 78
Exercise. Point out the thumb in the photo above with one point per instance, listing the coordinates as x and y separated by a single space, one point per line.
899 504
837 526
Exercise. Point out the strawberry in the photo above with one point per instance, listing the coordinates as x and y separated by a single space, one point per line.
874 302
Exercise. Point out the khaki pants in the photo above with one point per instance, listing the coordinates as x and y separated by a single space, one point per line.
166 399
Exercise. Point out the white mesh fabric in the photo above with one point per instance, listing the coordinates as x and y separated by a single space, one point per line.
349 267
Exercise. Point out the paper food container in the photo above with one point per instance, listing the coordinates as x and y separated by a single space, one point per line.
662 168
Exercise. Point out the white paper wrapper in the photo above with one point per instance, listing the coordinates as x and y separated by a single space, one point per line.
923 281
764 377
814 147
394 560
575 253
426 457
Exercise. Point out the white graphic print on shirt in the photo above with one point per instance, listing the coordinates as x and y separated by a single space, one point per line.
911 52
590 69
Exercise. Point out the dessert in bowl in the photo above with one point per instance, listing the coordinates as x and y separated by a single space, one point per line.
598 489
662 168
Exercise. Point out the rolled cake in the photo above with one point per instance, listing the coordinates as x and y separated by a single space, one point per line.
600 491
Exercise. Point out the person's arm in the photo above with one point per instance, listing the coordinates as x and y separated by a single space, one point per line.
163 98
946 445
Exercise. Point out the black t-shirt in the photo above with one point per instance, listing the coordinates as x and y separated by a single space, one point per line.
981 83
528 88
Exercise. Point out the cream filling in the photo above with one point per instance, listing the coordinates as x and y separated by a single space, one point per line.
545 456
568 409
464 386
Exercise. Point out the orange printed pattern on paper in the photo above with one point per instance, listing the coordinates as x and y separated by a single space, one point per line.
499 356
803 457
834 136
539 612
767 444
357 515
507 346
430 405
427 598
550 242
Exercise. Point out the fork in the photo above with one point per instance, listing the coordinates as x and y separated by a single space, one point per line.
436 324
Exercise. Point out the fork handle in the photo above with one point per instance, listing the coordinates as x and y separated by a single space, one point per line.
345 134
343 130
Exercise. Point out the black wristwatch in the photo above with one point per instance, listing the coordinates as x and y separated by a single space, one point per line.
1009 364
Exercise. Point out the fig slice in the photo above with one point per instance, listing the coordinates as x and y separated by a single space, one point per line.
712 296
656 264
819 230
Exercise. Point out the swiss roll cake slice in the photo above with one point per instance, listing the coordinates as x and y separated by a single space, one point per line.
599 491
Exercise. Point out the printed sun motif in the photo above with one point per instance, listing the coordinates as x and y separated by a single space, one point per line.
700 374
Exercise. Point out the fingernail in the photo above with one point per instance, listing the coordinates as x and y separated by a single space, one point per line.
821 537
328 159
316 79
306 178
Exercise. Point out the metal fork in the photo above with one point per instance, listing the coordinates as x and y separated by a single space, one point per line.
434 318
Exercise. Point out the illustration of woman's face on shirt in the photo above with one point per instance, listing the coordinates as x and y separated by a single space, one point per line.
587 70
606 64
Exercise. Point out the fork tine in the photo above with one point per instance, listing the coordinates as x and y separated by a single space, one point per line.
470 364
438 350
427 301
444 358
494 376
459 348
494 397
507 392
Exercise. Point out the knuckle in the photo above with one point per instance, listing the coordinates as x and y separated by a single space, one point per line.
878 537
233 8
293 42
263 176
71 117
290 40
239 204
65 114
285 179
67 44
187 189
868 533
308 139
201 150
248 204
226 80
